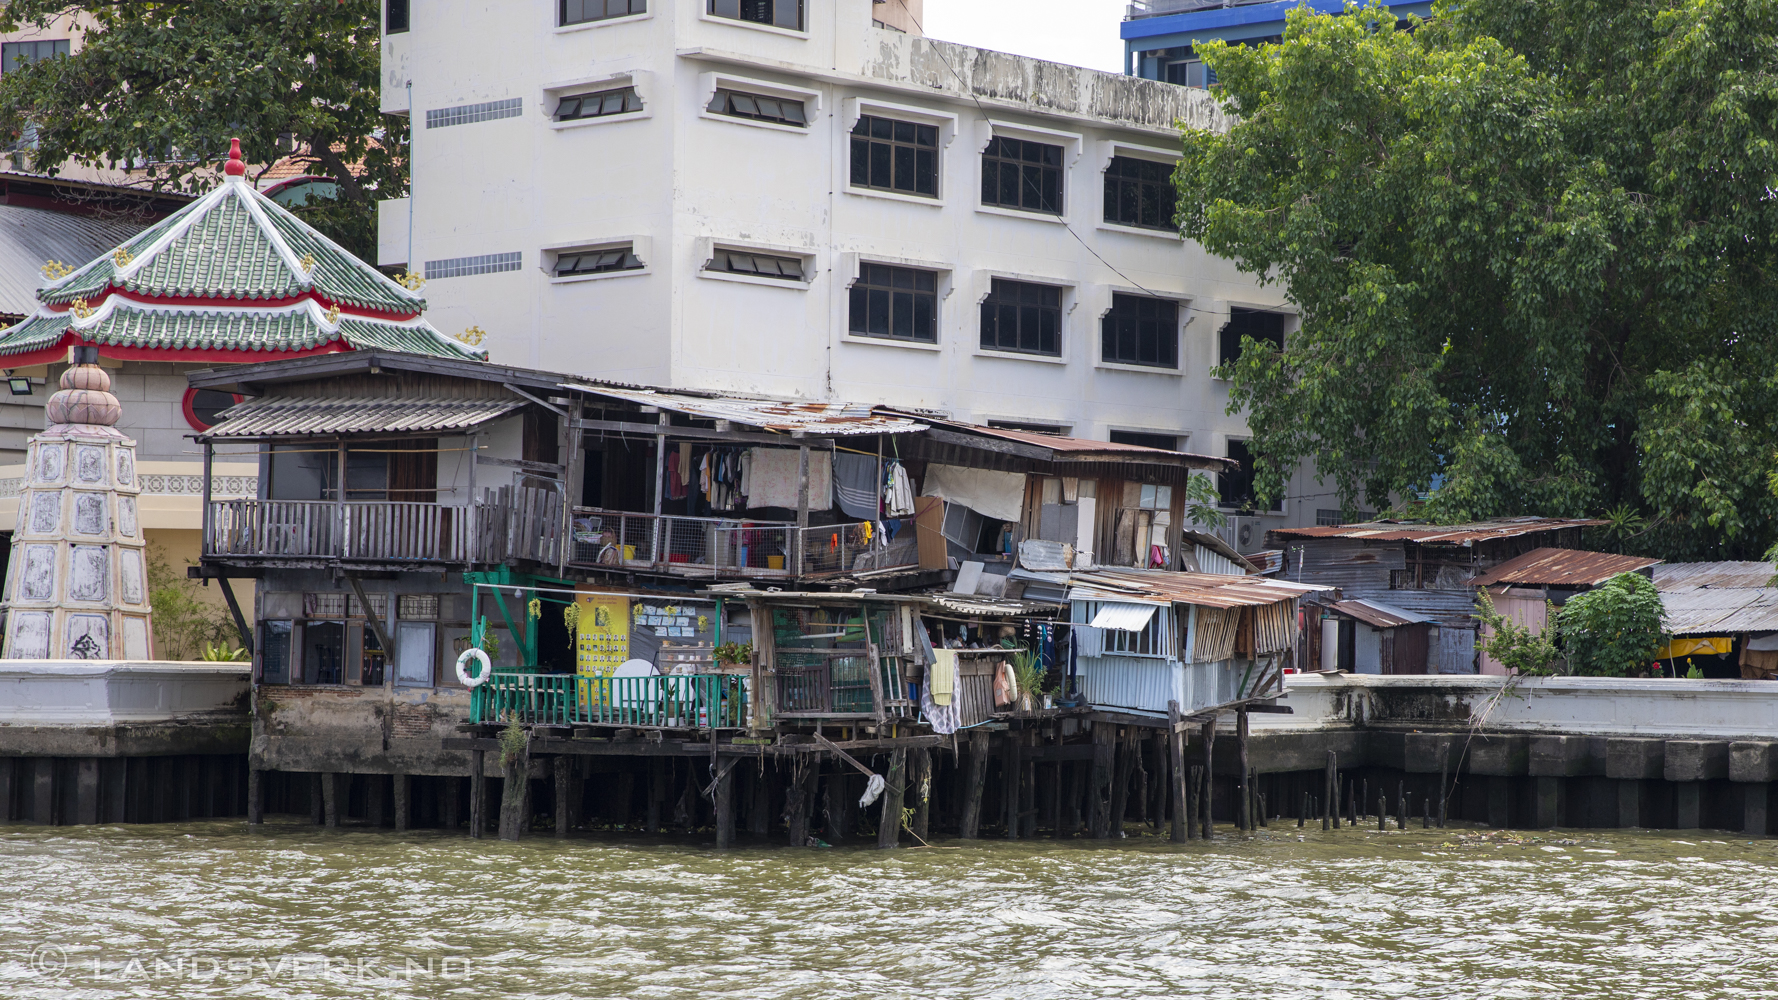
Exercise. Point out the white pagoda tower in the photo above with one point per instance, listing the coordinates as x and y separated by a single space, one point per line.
77 585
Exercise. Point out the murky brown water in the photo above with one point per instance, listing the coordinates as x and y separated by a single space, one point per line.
206 910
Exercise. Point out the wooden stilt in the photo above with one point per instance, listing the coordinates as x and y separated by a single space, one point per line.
1009 782
760 819
1176 764
1099 785
402 804
797 795
1209 795
970 826
1329 787
1123 762
564 779
838 801
330 799
255 796
1244 811
657 793
478 794
514 797
889 826
1194 791
724 795
448 793
920 789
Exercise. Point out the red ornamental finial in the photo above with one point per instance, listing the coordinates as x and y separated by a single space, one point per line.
234 168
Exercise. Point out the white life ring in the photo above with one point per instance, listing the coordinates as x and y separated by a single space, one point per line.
481 678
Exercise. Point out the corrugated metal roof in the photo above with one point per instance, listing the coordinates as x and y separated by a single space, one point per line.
1072 449
1123 616
788 416
1562 568
1446 534
973 605
1203 589
1381 615
31 237
1746 575
305 417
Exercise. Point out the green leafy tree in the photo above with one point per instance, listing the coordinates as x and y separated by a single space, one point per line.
172 82
1532 245
185 625
1614 629
1515 646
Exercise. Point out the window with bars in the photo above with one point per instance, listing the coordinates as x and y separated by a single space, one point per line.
598 105
758 264
1237 486
17 55
1140 331
1146 439
417 606
1022 316
782 110
900 303
582 11
1018 173
892 155
395 17
1265 327
778 13
572 263
1139 193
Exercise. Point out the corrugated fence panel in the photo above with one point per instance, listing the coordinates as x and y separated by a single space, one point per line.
1144 685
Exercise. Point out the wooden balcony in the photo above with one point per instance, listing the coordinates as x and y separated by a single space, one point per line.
725 548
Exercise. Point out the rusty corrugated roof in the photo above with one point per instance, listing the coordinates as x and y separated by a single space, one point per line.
785 415
1072 449
1443 534
1562 568
1167 587
1381 615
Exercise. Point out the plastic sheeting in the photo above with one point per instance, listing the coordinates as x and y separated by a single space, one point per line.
1000 495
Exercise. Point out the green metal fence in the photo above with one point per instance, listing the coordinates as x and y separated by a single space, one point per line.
692 701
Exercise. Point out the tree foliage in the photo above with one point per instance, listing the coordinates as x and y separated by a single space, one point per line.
1614 629
1532 244
172 82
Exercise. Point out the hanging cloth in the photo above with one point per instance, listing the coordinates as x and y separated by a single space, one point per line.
943 680
898 496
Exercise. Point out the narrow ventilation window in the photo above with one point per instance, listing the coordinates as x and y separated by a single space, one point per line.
573 263
488 263
757 264
599 105
464 114
781 110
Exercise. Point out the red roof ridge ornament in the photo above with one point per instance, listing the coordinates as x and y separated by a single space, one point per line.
235 167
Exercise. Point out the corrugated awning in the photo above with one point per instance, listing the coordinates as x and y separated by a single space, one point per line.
274 417
1123 617
788 416
1381 615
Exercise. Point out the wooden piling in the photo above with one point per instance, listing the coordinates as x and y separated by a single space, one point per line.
330 799
838 808
255 797
1244 811
1329 788
920 789
724 796
1010 772
514 795
1176 763
449 793
478 793
1401 805
1123 763
374 799
403 802
970 826
657 793
1209 793
1444 793
894 793
1302 816
563 773
1194 790
1382 811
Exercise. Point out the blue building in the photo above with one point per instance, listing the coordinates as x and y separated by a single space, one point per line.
1160 35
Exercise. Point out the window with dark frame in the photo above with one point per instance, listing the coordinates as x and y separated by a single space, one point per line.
17 55
395 17
1145 439
778 13
1237 487
900 303
1265 327
1018 173
782 110
573 263
598 105
1022 316
1139 193
892 155
756 264
582 11
1140 331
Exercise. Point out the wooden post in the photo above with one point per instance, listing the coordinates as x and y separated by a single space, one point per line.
1193 792
970 826
449 793
920 785
1382 811
1302 815
255 797
657 793
1009 782
330 798
724 796
564 775
514 796
797 795
1099 786
1401 805
1209 796
759 818
1444 793
1176 761
838 813
1244 813
889 826
1329 783
1122 764
403 802
478 816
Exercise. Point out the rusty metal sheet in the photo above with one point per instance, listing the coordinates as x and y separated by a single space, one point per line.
788 416
1373 612
1443 534
1204 589
1742 575
1562 568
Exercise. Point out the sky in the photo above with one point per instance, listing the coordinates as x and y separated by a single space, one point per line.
1079 32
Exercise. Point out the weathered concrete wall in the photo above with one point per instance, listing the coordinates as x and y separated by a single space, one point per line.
359 730
106 693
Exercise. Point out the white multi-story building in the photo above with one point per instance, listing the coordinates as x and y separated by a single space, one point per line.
810 199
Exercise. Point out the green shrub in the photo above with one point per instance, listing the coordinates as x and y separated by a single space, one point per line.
1614 629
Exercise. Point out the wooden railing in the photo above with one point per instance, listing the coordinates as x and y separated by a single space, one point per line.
690 701
724 548
507 525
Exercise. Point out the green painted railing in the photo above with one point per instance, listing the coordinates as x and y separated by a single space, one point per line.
691 701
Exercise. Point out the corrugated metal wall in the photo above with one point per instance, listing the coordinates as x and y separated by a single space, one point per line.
1143 685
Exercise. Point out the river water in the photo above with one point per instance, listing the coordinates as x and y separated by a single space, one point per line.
209 910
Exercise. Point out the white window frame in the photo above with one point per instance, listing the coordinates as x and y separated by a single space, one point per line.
1223 310
1159 630
985 287
854 108
1113 148
642 81
1181 299
553 12
708 245
641 246
1072 143
853 260
735 22
710 83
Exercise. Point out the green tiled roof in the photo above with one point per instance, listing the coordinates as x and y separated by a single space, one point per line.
235 243
202 329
